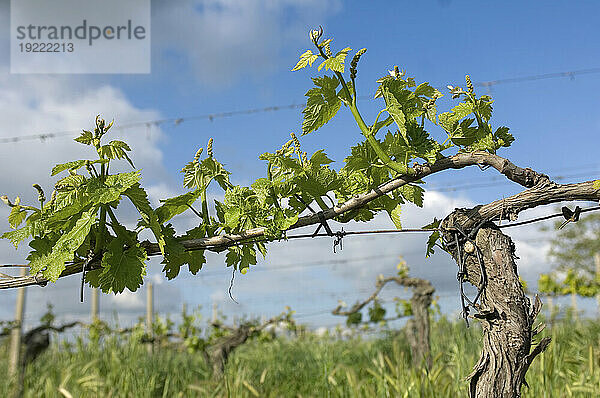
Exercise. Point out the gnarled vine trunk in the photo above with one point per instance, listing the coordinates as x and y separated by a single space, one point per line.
505 312
218 353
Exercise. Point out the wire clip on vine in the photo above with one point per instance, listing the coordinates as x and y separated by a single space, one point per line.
322 219
339 235
465 245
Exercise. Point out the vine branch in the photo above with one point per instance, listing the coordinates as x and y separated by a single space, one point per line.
541 191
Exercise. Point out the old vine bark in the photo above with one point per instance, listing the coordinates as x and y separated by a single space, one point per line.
505 313
217 354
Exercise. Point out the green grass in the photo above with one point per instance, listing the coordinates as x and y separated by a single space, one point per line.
309 366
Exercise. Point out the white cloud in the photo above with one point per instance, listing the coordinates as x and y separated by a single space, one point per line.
128 300
160 191
32 104
532 257
225 40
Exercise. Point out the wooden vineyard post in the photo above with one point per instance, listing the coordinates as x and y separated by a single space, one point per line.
15 369
597 263
95 303
149 312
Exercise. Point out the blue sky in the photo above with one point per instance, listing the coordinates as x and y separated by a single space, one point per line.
219 55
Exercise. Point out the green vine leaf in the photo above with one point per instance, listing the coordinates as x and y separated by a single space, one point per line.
463 133
431 241
319 158
16 216
105 191
76 165
395 216
86 137
449 120
177 205
318 181
394 108
403 308
42 245
241 257
149 219
354 318
176 255
307 58
52 264
483 106
336 63
123 267
115 150
376 312
434 237
282 220
484 142
17 236
425 89
503 137
199 174
322 104
412 193
196 260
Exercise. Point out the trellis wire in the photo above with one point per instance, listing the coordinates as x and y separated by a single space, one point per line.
212 116
8 278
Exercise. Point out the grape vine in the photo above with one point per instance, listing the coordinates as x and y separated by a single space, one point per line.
78 225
